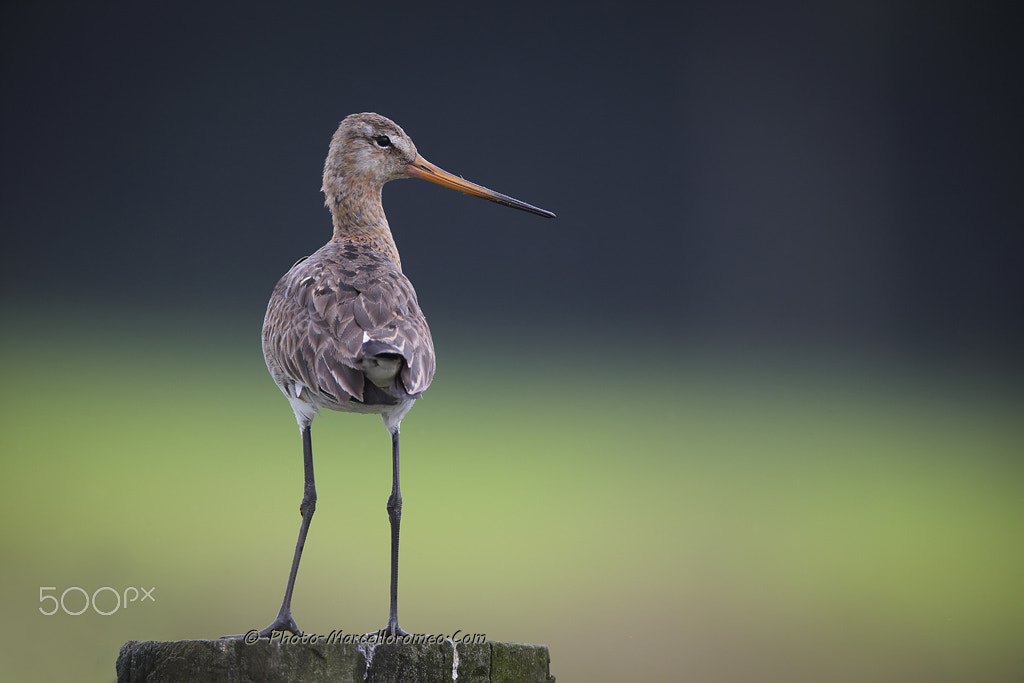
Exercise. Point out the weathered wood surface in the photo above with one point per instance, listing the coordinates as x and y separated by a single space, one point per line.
266 661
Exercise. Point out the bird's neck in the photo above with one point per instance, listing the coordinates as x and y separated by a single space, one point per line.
359 217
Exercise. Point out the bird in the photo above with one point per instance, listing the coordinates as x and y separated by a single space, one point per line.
344 329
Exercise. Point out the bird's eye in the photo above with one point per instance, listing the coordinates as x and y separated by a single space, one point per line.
382 141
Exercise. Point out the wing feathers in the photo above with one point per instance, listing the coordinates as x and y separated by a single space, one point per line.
334 309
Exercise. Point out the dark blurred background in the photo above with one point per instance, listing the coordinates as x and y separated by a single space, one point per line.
748 409
832 171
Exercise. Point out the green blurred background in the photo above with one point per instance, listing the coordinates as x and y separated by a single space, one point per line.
705 517
749 409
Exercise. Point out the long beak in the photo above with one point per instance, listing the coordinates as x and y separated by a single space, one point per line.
423 169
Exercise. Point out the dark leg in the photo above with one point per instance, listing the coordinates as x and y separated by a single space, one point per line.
395 517
284 620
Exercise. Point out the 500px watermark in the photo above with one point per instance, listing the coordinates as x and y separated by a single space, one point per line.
112 599
338 636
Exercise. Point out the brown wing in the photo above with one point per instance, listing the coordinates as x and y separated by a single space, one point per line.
345 301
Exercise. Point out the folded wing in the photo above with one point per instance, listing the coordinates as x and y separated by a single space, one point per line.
345 313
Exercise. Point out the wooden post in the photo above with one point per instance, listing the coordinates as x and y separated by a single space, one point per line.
319 659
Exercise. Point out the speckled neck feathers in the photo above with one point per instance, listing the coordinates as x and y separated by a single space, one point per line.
359 217
356 169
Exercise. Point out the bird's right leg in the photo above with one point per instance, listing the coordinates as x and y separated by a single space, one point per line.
284 620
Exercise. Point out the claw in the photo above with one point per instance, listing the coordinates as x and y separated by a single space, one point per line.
283 622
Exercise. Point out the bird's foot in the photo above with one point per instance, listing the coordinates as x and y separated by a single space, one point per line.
282 623
392 630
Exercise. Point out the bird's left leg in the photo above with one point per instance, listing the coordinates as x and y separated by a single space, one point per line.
284 620
395 517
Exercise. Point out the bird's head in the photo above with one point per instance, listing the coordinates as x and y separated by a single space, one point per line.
369 150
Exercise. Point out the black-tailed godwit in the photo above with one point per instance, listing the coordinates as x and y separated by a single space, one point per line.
343 329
